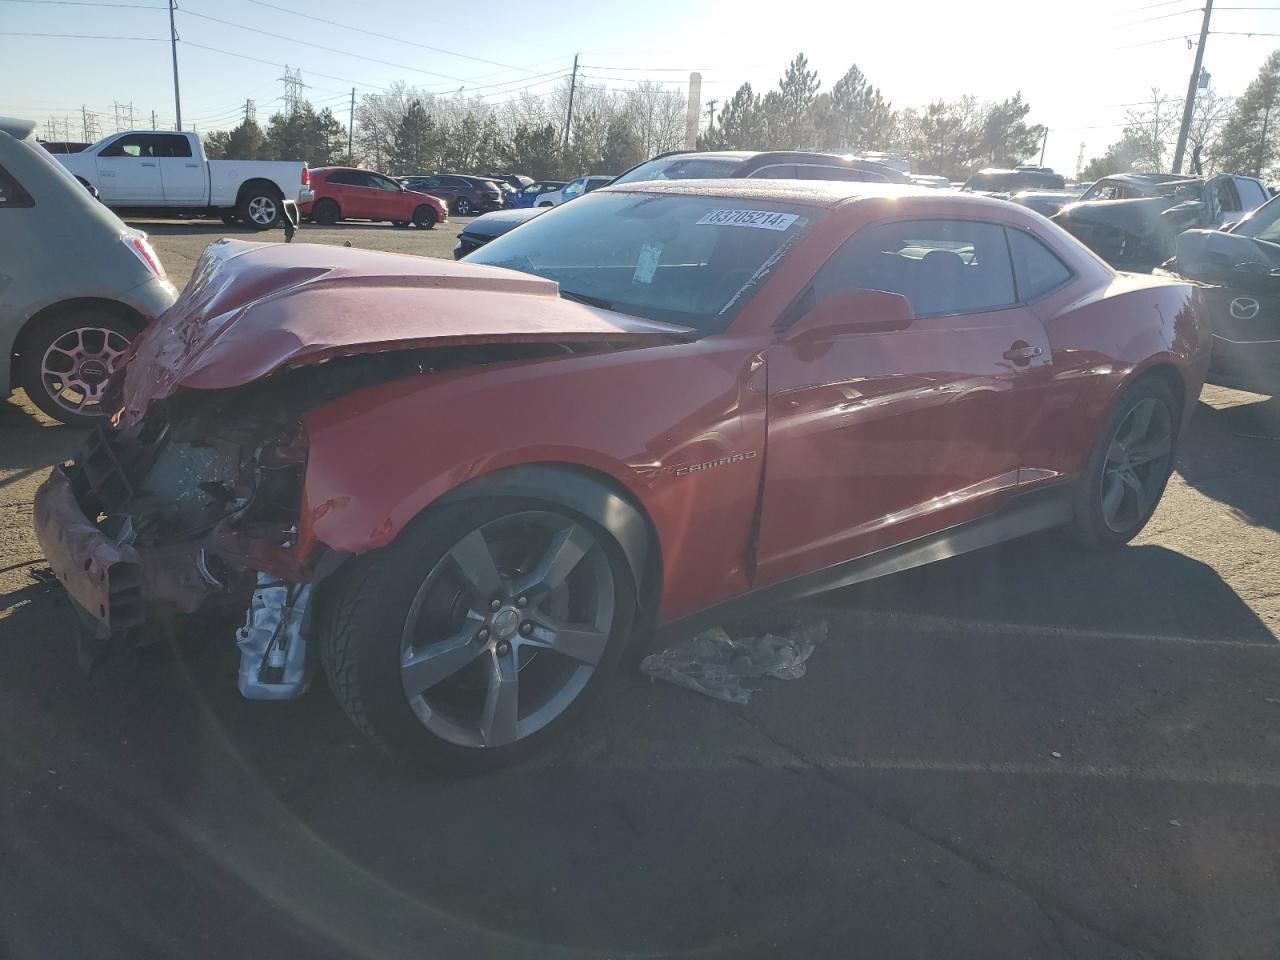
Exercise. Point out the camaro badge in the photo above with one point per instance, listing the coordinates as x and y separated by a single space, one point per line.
718 462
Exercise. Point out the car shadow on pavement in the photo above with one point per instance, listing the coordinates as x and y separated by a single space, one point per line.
1232 454
30 442
1048 582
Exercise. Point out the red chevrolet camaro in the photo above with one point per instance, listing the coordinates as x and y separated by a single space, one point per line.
462 488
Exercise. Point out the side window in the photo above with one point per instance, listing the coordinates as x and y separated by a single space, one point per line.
135 145
11 193
776 171
1228 199
170 145
1036 268
385 183
943 267
815 172
1251 193
574 188
456 183
339 177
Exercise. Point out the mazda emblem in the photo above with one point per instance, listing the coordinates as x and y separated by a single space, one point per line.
1244 308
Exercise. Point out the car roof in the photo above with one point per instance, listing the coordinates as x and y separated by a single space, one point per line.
821 193
18 129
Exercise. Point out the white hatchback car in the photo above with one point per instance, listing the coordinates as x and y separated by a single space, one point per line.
574 188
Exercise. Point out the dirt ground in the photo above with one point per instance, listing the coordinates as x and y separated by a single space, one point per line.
1031 751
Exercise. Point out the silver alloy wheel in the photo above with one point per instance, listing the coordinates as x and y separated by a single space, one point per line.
75 367
1136 465
507 629
262 211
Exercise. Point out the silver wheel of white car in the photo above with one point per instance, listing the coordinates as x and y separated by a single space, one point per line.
260 207
66 364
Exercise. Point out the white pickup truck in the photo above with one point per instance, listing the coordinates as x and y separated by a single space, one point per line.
145 171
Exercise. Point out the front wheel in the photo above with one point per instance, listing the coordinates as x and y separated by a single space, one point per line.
424 217
260 207
66 362
463 207
479 632
1129 467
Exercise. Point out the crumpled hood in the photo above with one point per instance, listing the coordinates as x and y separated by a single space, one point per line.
1139 216
251 309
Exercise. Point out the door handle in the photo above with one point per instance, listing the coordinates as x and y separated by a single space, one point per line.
1022 353
194 166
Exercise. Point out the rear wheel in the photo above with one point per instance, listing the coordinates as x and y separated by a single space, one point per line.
260 206
424 217
1129 467
66 361
479 632
326 212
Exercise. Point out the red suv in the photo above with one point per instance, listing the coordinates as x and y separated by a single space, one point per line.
344 193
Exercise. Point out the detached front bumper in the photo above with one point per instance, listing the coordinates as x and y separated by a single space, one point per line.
116 584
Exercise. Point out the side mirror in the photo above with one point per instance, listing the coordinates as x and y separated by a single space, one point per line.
852 311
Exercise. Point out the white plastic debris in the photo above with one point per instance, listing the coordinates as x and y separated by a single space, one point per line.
715 663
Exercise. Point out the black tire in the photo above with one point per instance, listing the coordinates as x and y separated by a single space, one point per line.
230 218
463 207
364 612
424 217
546 204
326 212
260 206
49 342
1093 522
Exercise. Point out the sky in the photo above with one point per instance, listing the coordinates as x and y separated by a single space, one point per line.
1081 66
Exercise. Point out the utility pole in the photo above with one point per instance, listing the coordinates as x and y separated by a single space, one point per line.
1044 143
351 127
573 84
153 119
173 47
711 112
1189 105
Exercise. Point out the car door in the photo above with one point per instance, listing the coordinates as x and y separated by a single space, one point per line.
128 171
877 438
366 200
183 177
388 198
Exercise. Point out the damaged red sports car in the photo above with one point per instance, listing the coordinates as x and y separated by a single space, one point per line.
462 489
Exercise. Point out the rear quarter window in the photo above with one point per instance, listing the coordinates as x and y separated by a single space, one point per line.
1036 269
11 193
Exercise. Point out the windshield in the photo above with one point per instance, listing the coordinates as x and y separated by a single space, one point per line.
1262 224
682 168
688 260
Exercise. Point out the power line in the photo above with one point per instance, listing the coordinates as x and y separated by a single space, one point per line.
75 36
90 3
387 36
1162 16
320 46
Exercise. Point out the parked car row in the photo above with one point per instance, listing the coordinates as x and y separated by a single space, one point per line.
686 165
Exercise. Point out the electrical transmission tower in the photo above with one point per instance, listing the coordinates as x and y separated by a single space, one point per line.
124 111
88 125
293 87
250 112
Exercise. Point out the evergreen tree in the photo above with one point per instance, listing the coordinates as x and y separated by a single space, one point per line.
245 142
416 145
1248 142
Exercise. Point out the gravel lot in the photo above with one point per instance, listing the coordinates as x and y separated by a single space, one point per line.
1027 752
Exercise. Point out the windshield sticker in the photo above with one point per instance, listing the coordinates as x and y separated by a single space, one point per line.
761 219
647 262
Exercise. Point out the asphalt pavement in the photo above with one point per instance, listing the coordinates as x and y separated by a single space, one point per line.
1032 751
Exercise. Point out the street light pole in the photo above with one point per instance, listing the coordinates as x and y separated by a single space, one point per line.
1189 104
